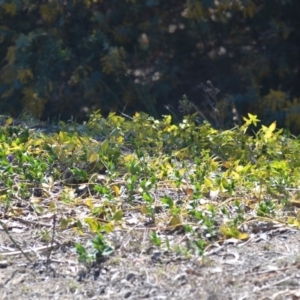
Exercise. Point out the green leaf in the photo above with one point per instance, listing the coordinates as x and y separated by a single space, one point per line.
95 226
118 216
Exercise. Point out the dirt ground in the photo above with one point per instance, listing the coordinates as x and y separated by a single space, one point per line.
267 266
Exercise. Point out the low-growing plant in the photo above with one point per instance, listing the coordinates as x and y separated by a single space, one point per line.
265 208
200 245
184 178
155 239
100 250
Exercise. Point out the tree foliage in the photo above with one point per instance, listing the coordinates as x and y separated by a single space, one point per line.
67 57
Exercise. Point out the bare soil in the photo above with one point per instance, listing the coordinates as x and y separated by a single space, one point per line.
267 266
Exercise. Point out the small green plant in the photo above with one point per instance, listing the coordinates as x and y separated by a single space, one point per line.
265 208
200 245
79 174
103 191
100 250
45 235
155 239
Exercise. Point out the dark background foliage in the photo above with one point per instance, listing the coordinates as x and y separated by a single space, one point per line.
66 58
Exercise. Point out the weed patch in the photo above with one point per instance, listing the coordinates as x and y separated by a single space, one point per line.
188 186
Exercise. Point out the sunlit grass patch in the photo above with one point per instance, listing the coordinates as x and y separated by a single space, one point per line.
190 186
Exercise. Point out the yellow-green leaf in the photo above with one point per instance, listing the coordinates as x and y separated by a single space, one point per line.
89 203
9 121
93 157
93 223
118 215
104 146
116 190
109 227
175 221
